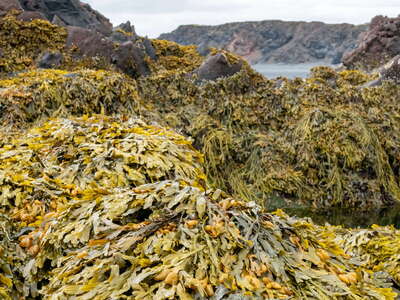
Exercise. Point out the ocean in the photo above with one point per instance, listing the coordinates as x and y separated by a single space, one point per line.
290 71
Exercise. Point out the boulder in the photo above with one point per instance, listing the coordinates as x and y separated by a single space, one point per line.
89 42
378 45
217 66
50 60
129 57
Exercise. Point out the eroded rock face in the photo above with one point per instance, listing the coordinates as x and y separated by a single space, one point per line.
378 45
273 41
217 66
70 12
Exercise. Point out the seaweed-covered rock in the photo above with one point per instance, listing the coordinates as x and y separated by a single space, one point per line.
33 96
217 66
22 42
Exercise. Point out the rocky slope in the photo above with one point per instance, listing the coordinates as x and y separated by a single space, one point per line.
378 45
274 41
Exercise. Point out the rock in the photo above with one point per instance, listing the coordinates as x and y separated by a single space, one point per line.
273 41
50 60
130 58
127 27
217 66
378 45
149 48
6 5
70 12
90 43
57 21
390 71
28 16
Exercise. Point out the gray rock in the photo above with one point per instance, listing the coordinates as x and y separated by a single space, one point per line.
29 16
57 21
149 49
390 71
217 66
6 5
71 12
130 58
50 60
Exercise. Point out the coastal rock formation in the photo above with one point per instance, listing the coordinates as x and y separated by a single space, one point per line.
273 41
378 45
70 12
217 66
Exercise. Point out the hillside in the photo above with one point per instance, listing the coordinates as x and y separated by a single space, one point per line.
273 41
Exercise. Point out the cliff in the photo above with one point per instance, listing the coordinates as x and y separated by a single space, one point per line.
273 41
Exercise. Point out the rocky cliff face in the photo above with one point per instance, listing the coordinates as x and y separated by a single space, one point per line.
274 41
378 45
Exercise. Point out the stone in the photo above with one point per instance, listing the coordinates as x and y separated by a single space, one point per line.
217 66
378 45
50 60
29 16
7 5
71 12
57 21
90 43
130 58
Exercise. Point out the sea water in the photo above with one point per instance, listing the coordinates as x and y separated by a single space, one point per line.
289 71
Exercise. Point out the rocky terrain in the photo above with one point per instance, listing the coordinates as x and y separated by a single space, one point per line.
273 41
378 45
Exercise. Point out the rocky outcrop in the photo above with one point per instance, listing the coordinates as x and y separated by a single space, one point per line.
217 66
273 41
390 71
378 45
6 5
70 12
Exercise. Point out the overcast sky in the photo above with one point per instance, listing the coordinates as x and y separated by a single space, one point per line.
153 17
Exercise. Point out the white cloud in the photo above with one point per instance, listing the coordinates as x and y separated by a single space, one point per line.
153 17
